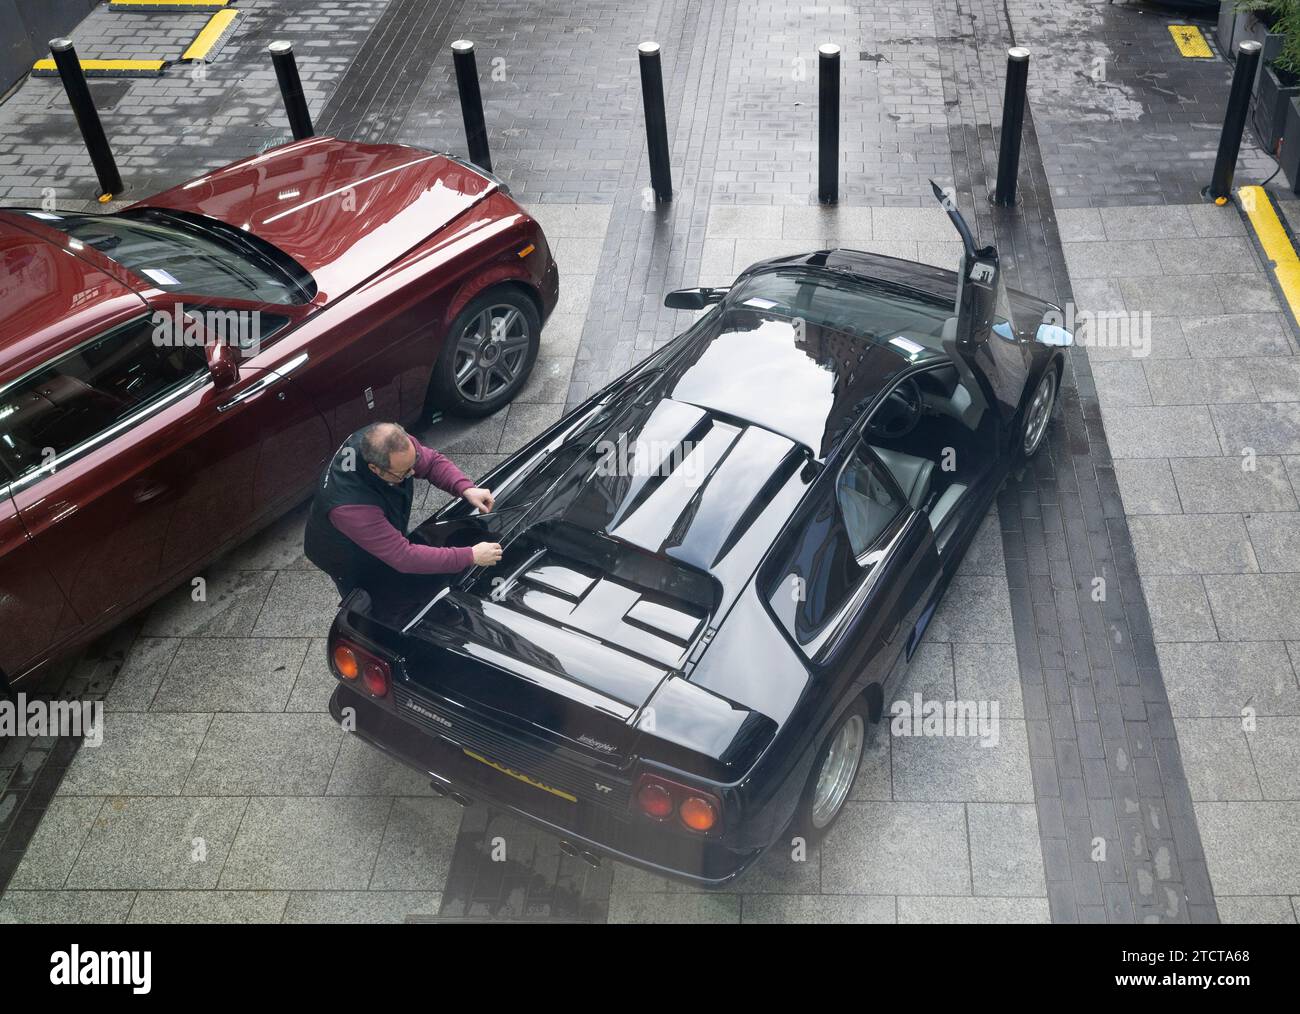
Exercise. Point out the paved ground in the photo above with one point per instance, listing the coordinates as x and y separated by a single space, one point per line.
223 791
1205 431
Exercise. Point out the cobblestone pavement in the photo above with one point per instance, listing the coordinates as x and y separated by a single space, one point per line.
223 791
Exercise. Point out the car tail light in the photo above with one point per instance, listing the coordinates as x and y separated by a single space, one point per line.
655 801
698 813
345 662
351 661
375 675
660 799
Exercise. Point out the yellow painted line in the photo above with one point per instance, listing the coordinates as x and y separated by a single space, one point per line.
210 36
166 5
106 68
1190 41
1276 243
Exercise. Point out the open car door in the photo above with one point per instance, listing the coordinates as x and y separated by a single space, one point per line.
981 337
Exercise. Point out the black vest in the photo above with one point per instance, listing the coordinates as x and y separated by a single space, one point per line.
331 550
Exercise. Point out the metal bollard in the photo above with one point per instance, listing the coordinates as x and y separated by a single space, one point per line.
295 103
1234 122
656 120
83 108
1013 120
471 103
828 123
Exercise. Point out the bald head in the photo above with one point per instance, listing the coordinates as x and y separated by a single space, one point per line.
386 449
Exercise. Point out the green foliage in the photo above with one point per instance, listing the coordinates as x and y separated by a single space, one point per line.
1288 26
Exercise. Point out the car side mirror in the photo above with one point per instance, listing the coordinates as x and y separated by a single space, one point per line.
693 299
1055 335
223 365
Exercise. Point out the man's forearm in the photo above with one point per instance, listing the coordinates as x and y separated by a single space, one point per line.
369 529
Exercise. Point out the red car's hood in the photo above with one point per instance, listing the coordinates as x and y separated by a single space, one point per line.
342 210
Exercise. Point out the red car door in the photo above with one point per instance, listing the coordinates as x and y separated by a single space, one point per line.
33 612
128 469
261 441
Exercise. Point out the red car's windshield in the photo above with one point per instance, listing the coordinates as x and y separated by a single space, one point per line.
184 253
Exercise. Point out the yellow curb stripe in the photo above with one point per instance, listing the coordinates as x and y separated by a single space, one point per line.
210 36
1190 42
163 5
105 67
1276 243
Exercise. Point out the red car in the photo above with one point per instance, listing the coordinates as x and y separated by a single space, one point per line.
175 376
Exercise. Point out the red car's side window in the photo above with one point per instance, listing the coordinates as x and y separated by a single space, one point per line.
82 394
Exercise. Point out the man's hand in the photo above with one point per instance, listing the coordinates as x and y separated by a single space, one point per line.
480 498
487 553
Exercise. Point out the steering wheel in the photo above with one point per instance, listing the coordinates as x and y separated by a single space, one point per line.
900 412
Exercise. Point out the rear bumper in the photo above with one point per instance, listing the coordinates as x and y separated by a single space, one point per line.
707 864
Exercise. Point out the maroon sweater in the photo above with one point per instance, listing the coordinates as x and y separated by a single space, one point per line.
369 529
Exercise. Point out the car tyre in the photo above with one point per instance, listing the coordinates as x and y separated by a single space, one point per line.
487 355
839 759
1038 412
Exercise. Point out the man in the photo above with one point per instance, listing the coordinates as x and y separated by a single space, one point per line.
356 531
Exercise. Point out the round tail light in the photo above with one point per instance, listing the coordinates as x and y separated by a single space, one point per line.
345 662
655 801
375 678
698 814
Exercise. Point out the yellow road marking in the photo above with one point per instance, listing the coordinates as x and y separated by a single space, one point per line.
211 34
523 778
1276 243
105 67
1190 41
161 5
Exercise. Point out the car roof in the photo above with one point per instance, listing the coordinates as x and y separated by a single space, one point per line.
50 296
805 381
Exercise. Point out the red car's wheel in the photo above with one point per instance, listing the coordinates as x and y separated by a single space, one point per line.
488 354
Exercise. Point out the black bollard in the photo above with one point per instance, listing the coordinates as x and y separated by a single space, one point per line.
828 123
295 103
471 103
83 108
1013 119
1234 122
656 120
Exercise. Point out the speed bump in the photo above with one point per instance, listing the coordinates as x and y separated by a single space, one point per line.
104 68
213 36
1275 242
1190 42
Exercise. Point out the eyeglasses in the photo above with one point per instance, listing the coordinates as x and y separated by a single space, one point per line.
399 478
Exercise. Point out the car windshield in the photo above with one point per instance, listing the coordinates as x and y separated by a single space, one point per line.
873 310
183 253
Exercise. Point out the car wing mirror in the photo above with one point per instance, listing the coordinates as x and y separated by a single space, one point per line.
1054 335
693 299
223 365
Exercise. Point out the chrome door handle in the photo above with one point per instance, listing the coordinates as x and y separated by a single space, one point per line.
251 391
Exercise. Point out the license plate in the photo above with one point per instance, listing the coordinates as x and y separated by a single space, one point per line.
526 779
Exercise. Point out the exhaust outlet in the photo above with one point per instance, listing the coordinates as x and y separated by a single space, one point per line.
569 849
461 799
439 788
591 859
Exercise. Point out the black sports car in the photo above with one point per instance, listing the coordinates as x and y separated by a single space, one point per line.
711 566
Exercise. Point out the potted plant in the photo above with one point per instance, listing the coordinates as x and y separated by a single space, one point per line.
1279 77
1232 23
1262 18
